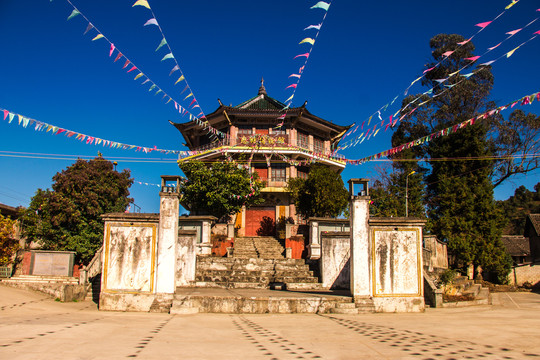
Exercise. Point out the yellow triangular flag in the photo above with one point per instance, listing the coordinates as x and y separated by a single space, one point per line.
179 79
142 3
307 40
138 76
510 53
98 36
510 5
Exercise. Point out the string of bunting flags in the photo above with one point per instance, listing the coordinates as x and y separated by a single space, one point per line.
526 100
393 119
181 79
41 126
89 140
199 119
310 40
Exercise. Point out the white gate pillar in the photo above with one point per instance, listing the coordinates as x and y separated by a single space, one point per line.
360 262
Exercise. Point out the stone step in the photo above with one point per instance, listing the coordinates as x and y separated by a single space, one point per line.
255 279
337 310
42 279
473 290
243 272
304 286
183 310
225 260
266 267
231 285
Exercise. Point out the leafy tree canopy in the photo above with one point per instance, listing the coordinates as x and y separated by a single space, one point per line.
8 245
322 194
518 206
67 217
457 176
219 189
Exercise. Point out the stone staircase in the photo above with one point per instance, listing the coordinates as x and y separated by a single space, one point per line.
93 289
465 292
254 273
360 306
263 247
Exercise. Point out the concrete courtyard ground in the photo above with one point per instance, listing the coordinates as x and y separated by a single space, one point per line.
34 326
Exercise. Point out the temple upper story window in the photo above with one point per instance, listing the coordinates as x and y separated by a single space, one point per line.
245 131
302 140
279 172
318 145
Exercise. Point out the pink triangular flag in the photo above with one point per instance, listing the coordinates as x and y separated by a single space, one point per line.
513 32
133 68
494 47
474 58
5 114
112 49
448 53
306 55
484 24
292 86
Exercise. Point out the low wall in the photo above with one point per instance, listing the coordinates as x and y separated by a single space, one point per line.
396 264
186 257
525 273
129 261
62 292
220 245
334 262
437 251
297 245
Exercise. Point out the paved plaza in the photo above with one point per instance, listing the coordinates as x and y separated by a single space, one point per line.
34 326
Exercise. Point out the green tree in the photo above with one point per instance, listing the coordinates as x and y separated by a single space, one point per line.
459 192
515 140
518 206
322 194
389 191
219 189
68 217
8 244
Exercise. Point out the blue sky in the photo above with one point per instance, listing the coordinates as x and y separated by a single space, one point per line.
365 55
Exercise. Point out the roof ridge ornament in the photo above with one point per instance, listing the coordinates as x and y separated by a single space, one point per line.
262 89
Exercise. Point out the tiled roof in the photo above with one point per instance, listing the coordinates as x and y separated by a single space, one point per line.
535 221
517 245
261 102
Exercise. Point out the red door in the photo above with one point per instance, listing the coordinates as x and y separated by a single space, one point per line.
261 221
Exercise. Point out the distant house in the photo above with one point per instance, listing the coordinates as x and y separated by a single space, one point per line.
532 231
519 248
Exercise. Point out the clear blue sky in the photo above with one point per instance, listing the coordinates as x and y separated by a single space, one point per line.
366 54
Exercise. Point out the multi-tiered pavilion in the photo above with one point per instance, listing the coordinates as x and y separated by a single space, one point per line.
281 143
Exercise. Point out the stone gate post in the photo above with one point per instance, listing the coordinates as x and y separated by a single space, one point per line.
361 286
169 209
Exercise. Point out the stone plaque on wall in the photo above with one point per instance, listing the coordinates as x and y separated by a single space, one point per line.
396 261
52 263
130 252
